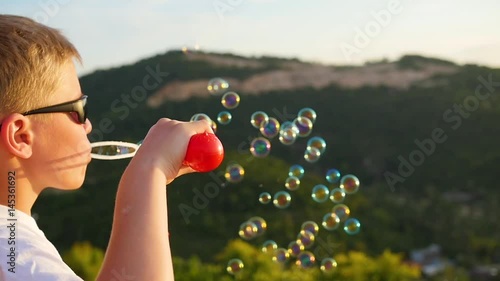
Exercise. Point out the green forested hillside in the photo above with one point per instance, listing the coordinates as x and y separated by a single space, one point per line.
368 131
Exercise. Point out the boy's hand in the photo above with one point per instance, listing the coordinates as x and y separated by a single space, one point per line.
165 146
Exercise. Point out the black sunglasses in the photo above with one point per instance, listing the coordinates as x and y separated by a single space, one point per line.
78 106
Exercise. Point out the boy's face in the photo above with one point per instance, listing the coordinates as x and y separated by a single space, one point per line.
61 150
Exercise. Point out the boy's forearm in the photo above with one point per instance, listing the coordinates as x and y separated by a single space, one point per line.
139 247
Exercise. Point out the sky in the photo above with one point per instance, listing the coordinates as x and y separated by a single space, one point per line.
116 32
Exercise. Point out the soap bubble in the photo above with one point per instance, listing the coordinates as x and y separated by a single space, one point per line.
230 100
330 221
281 255
320 193
328 265
352 226
311 227
305 260
270 128
200 116
234 173
258 117
309 113
282 199
304 125
318 143
288 136
307 238
213 125
312 154
332 175
296 171
295 247
260 147
224 117
248 230
342 211
350 184
265 198
234 266
292 183
217 86
269 247
260 223
337 195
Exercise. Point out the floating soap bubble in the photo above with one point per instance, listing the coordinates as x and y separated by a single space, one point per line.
318 143
230 100
292 183
270 128
332 175
307 238
305 260
304 125
258 117
248 230
282 199
265 198
288 136
234 173
311 227
352 226
312 154
309 113
260 147
260 223
224 117
281 255
269 246
213 125
234 266
217 86
295 247
337 195
200 116
342 211
350 184
320 193
328 265
296 171
330 221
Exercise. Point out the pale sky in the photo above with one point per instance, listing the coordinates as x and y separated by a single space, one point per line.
112 33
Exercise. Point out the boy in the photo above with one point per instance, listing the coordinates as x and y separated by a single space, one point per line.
43 143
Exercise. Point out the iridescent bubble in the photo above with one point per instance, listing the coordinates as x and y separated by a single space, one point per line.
269 247
311 227
260 147
265 198
213 125
217 86
248 230
234 173
270 128
200 116
342 211
292 183
350 184
287 136
330 221
224 117
281 255
258 117
295 247
305 260
352 226
290 125
312 154
328 265
296 171
309 113
332 175
337 195
230 100
318 143
307 238
234 266
282 199
260 223
320 193
304 125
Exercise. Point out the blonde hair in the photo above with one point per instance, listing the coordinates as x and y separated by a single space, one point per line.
32 56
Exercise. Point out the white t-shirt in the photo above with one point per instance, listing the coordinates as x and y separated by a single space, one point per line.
26 254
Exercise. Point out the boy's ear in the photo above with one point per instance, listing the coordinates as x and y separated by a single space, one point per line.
17 136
